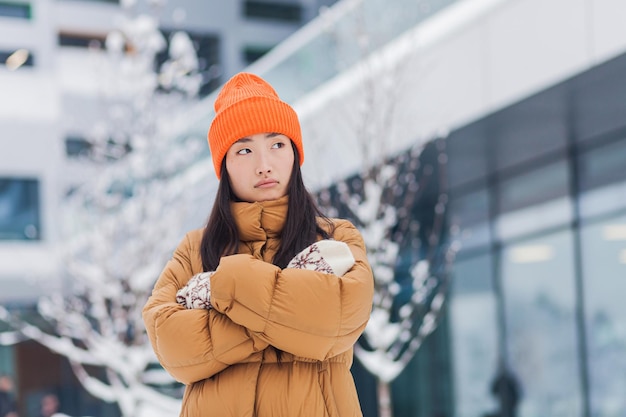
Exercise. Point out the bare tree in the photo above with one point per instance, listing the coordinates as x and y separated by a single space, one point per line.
110 267
398 200
120 227
400 208
142 76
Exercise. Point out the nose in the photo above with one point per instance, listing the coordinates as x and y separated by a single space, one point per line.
263 164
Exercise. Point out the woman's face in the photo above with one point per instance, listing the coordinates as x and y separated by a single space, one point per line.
259 166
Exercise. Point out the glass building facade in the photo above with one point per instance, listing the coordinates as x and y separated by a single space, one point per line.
538 190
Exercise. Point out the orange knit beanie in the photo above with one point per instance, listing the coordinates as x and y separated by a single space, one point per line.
248 105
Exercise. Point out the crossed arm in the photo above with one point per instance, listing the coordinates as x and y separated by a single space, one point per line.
306 312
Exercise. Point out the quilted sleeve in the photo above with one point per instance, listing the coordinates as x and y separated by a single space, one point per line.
307 313
192 344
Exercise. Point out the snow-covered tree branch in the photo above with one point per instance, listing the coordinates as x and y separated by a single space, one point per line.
397 198
121 227
400 209
136 88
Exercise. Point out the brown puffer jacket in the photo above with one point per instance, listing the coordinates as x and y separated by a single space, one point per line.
226 355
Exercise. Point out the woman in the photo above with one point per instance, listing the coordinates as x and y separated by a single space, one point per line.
275 332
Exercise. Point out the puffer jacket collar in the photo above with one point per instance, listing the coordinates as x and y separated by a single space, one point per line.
260 221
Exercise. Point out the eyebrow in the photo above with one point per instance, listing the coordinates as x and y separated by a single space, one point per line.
268 136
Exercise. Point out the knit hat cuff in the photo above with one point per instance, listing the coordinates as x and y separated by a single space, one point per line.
248 117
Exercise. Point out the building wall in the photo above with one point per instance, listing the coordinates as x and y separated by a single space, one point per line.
538 190
469 60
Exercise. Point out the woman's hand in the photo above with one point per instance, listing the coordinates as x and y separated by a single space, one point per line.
197 292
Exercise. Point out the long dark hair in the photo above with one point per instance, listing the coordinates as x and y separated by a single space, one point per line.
301 228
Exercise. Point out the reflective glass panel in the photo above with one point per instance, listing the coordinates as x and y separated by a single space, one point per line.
322 56
6 360
14 9
604 276
470 212
19 209
538 286
473 336
603 179
534 201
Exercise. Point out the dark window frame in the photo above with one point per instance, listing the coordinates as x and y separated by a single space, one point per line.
252 53
274 11
77 146
4 55
80 40
21 202
17 10
102 1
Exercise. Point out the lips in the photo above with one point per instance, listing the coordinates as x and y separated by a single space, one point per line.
265 183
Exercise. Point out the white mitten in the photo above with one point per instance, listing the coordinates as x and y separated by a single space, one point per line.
328 256
197 292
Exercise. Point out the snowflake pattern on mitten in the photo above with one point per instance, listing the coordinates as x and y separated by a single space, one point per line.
311 258
197 292
327 256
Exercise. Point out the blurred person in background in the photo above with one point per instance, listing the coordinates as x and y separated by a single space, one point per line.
49 405
257 313
505 387
8 406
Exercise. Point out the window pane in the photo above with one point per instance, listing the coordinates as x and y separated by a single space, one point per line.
19 10
81 40
19 209
276 11
5 55
76 146
471 213
252 53
603 179
533 187
534 201
7 360
102 1
539 297
473 336
604 275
